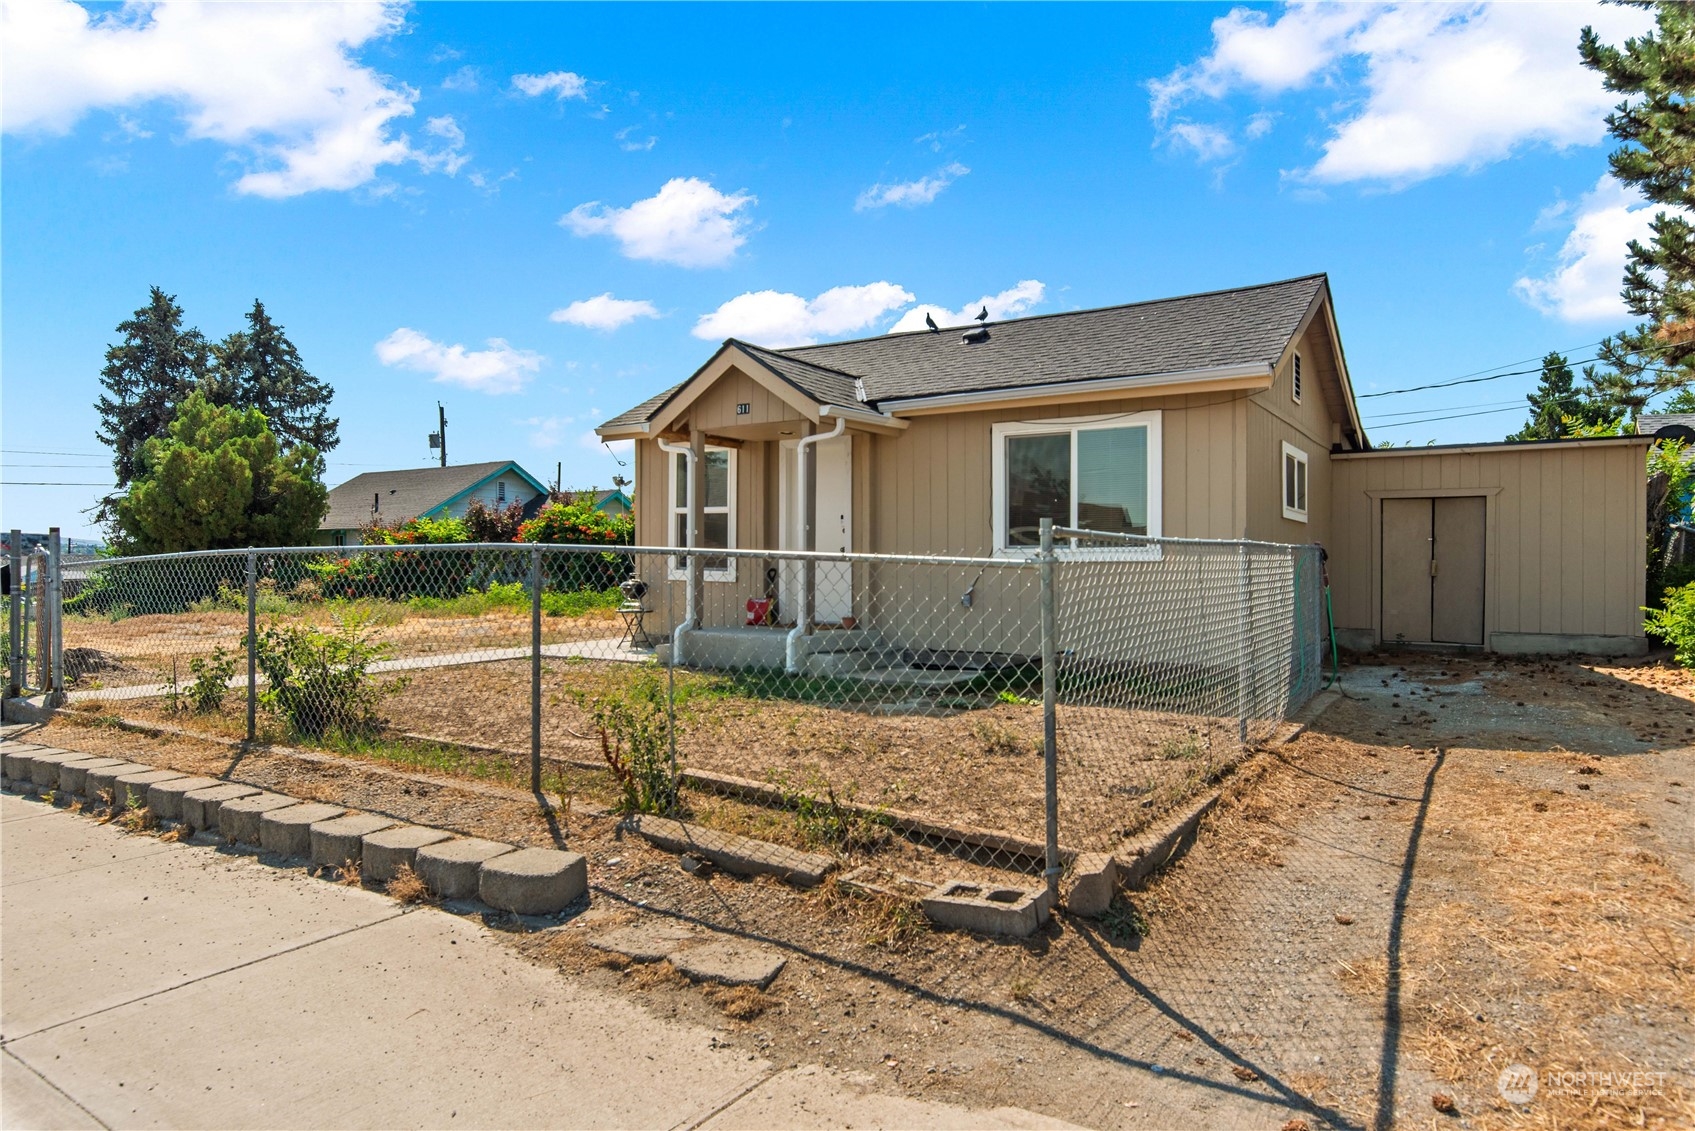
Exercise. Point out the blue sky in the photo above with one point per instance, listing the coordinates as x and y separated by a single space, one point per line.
540 214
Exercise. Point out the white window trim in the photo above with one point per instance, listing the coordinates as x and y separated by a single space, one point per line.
1156 476
674 565
1296 378
1297 514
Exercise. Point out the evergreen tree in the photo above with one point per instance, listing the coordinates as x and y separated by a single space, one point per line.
157 364
1553 401
219 480
1681 401
259 368
1656 74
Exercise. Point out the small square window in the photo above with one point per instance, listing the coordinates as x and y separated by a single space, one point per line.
1294 483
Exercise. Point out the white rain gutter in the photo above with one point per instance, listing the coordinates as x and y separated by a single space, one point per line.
803 621
687 624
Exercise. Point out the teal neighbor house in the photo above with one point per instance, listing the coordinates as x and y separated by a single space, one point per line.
425 492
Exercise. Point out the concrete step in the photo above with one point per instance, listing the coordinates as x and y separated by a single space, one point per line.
200 806
101 783
288 831
453 868
533 881
340 841
238 819
73 776
164 798
388 851
130 790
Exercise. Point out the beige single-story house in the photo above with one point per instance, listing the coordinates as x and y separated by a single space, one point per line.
424 492
1224 415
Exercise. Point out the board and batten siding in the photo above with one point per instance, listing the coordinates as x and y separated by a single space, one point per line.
1275 418
1565 552
933 483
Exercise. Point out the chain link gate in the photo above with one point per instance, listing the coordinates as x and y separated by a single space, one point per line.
996 715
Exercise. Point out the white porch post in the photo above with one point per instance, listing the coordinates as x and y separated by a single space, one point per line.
697 520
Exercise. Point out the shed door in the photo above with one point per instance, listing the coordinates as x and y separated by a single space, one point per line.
1457 582
1433 552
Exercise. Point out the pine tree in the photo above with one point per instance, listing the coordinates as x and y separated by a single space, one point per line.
1553 401
1656 74
259 368
158 363
1682 401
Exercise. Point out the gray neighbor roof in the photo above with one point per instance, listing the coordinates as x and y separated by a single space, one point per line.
1240 326
402 494
1651 422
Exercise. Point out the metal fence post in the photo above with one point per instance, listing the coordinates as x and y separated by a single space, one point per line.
56 623
1244 644
252 645
1050 696
14 615
535 669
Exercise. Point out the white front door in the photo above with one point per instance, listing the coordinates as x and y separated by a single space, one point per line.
833 582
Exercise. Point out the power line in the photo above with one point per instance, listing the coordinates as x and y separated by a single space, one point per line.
34 452
1449 408
1435 419
1466 381
35 483
77 466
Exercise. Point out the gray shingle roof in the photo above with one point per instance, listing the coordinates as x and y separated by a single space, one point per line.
1242 326
1651 422
403 494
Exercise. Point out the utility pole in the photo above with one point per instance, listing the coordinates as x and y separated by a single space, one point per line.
441 414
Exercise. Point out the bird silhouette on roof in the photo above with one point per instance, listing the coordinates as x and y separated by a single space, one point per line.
983 315
931 322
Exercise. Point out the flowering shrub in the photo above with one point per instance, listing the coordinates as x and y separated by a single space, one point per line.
576 522
417 532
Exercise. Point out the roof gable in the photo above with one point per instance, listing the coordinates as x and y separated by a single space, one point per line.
411 492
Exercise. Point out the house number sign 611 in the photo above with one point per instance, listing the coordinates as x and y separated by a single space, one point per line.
743 409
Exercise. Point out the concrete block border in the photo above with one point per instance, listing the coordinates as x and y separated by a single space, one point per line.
521 881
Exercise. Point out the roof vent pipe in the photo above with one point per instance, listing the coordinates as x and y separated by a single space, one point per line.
971 337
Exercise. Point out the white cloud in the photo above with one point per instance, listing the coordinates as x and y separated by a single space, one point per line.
1584 284
910 194
560 84
277 83
1208 143
688 222
603 312
451 158
1010 303
776 319
547 431
466 80
497 369
629 143
1419 89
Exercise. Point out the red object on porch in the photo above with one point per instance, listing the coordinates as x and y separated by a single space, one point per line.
759 610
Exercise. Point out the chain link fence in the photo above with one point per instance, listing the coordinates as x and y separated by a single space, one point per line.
896 710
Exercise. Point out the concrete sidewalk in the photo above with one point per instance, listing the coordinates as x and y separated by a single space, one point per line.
151 984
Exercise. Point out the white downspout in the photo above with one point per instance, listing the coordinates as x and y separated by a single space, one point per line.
809 540
687 624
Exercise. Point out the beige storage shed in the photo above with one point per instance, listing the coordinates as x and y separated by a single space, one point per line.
1509 547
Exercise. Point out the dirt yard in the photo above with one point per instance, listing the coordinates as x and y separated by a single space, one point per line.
1463 865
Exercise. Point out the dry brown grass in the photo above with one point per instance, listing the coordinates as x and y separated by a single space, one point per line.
653 976
348 874
408 888
1577 938
740 1003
